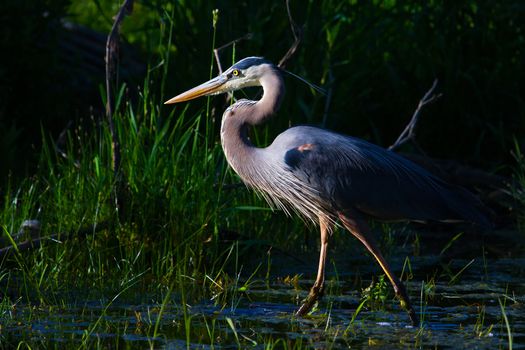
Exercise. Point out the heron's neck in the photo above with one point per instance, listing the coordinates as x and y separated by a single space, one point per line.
273 92
236 145
238 149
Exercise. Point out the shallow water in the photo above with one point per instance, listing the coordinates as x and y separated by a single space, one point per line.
460 312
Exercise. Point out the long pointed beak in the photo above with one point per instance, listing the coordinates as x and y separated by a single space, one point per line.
210 87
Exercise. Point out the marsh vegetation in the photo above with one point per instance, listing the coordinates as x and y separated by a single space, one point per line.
192 258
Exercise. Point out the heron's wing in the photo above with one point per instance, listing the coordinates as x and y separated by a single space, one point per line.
354 174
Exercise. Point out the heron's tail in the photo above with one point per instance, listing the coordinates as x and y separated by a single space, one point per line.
468 207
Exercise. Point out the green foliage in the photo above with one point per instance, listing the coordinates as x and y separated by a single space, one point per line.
169 176
167 240
376 57
376 294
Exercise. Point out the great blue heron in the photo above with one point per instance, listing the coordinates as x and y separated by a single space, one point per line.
326 177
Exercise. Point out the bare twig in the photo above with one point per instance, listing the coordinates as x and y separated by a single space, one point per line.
112 51
408 133
297 34
328 96
111 56
217 60
247 36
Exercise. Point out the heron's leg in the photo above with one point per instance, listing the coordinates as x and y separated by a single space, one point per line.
359 228
317 289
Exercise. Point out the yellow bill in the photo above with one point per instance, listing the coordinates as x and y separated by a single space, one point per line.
211 87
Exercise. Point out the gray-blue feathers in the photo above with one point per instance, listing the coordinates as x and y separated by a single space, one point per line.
249 62
327 177
321 173
354 174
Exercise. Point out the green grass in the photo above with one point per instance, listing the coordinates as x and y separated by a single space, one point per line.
166 239
166 251
376 57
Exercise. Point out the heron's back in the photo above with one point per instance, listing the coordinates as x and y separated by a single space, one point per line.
350 173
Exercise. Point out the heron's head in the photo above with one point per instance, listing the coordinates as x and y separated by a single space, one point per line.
245 73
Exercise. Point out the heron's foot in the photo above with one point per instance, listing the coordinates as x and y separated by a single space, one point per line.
405 304
316 292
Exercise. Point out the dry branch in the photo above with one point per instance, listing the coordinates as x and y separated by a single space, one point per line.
110 59
409 133
297 34
247 36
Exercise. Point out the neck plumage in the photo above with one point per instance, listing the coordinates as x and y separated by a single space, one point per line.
238 149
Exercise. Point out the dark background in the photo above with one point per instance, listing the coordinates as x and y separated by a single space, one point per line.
378 57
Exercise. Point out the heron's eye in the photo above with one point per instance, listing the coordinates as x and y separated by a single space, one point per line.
234 73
